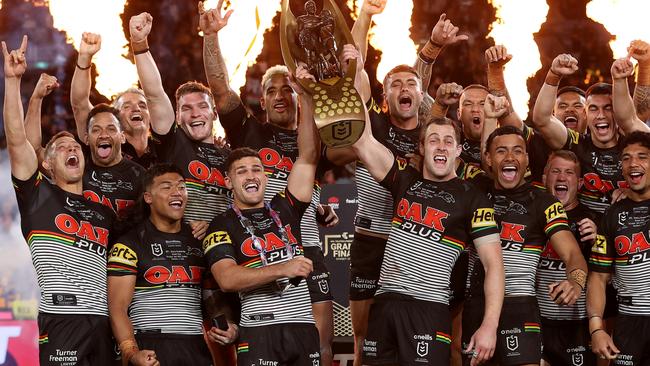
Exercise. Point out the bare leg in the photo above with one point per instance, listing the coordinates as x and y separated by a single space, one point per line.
324 317
359 311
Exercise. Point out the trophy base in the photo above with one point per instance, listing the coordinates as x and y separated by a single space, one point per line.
338 111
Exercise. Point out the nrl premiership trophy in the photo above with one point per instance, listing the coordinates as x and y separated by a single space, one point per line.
314 39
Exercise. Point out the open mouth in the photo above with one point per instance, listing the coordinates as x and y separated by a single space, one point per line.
476 121
405 102
195 124
602 127
280 107
104 149
440 159
136 117
251 187
509 173
176 204
72 161
571 121
635 177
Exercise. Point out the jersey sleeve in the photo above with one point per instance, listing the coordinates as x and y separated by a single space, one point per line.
573 139
602 255
482 223
538 152
399 177
555 218
284 198
234 124
218 244
165 143
123 257
27 191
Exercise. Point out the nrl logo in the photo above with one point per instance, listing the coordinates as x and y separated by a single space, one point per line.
622 217
422 348
512 342
577 359
156 249
324 287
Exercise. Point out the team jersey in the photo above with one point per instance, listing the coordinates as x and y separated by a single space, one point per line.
538 152
68 237
228 239
375 210
433 222
147 159
118 187
467 171
278 150
623 247
169 268
528 217
203 167
551 270
471 152
601 171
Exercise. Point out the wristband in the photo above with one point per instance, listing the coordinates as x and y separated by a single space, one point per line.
552 78
595 316
591 334
140 47
430 52
496 81
643 74
438 110
128 348
84 68
579 276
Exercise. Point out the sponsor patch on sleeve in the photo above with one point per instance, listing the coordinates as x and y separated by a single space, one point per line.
574 136
122 254
483 217
600 245
554 212
401 163
214 239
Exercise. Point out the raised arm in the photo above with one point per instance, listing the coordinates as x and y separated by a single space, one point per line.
624 111
91 43
447 95
640 50
46 83
494 107
211 22
21 154
361 26
496 58
552 129
160 107
565 245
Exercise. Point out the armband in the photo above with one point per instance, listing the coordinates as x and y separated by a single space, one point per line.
552 78
578 276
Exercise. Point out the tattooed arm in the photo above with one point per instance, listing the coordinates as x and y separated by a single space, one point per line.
640 51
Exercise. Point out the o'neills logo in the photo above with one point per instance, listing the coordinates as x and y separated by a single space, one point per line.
82 229
158 275
120 207
205 174
429 217
631 245
272 159
270 241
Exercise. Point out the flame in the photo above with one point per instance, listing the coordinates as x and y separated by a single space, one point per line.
242 39
115 72
391 35
515 31
624 19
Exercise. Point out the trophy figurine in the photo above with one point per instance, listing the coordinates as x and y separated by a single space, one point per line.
313 38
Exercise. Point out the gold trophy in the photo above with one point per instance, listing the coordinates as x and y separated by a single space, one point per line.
313 38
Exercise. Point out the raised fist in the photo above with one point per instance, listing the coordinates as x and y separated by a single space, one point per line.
448 94
140 26
445 33
497 56
564 65
91 43
622 69
495 107
15 62
212 21
348 54
640 50
46 83
373 7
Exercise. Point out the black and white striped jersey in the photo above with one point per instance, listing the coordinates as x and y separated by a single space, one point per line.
278 150
169 268
433 223
203 167
68 237
527 217
551 270
227 239
375 210
623 248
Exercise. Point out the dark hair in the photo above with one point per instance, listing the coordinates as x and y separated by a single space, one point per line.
102 108
637 137
50 144
566 155
157 170
571 89
503 131
401 68
440 121
599 89
193 87
240 153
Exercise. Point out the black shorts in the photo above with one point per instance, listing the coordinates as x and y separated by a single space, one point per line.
567 342
632 338
283 344
366 256
519 338
404 331
458 280
176 349
318 281
78 340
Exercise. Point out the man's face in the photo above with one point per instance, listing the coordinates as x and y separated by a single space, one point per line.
508 161
167 197
105 140
600 119
196 116
134 113
403 95
636 166
247 180
66 161
570 109
279 101
471 113
562 180
440 150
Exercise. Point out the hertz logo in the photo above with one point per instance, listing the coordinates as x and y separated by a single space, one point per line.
214 239
483 217
600 245
555 211
124 255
